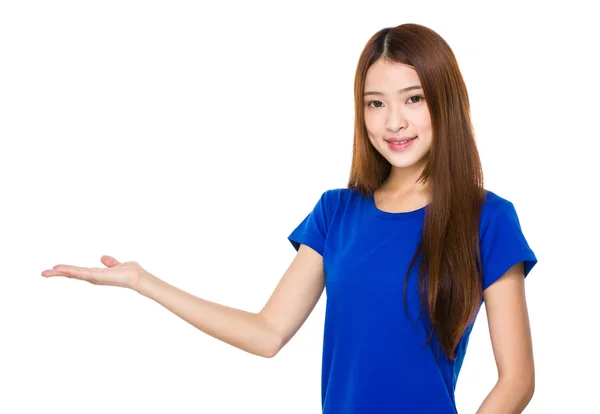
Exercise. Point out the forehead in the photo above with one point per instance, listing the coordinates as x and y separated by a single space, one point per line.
387 75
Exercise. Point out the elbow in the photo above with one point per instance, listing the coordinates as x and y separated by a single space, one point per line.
269 354
271 341
530 389
273 347
522 385
528 385
527 390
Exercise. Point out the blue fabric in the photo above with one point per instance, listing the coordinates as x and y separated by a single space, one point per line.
374 359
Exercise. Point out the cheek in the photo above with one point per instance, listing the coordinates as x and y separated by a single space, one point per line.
371 126
372 140
368 123
425 122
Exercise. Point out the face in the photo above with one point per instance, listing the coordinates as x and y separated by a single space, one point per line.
393 115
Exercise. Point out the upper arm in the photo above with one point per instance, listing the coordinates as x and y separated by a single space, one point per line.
296 294
508 322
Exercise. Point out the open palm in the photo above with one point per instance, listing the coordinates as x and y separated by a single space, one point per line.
118 274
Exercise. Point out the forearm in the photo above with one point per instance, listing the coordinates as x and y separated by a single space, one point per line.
507 397
244 330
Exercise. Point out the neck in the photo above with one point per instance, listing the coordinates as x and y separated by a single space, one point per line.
404 181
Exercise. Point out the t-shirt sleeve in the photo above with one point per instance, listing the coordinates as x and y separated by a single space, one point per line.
503 244
312 231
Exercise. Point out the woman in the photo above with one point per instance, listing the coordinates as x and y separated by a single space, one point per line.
407 252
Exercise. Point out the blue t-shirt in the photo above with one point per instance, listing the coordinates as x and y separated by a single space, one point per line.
374 359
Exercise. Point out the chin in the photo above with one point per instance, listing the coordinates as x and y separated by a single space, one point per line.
406 161
401 165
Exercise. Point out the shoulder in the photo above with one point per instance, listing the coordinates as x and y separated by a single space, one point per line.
337 195
338 200
497 211
502 240
333 198
494 204
494 200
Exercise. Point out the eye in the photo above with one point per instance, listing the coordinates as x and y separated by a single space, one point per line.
416 96
372 102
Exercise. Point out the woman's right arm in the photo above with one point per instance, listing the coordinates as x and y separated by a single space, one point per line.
263 333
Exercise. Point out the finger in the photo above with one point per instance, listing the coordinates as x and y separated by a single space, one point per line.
58 270
109 261
54 272
75 272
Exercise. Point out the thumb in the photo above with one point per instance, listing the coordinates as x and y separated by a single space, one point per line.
109 261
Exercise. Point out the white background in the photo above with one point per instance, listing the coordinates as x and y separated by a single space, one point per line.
193 137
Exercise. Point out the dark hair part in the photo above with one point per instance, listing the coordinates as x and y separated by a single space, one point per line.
450 281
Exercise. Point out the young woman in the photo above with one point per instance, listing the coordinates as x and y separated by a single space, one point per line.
407 252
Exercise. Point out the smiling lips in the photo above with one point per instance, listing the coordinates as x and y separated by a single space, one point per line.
400 144
399 140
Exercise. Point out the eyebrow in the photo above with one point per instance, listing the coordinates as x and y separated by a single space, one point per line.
410 88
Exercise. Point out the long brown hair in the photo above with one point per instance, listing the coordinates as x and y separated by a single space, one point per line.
450 273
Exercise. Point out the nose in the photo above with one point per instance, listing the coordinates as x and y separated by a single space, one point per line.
395 120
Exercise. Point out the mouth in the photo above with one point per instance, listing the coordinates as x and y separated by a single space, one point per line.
400 141
400 144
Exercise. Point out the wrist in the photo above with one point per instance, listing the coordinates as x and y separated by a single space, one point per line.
143 282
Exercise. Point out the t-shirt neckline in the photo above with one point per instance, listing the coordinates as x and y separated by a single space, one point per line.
394 216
